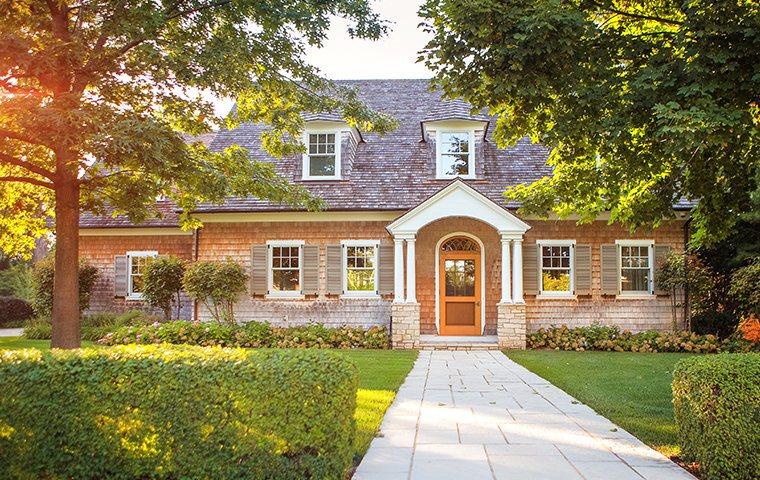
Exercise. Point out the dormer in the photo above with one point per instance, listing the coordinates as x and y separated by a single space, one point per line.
330 148
457 145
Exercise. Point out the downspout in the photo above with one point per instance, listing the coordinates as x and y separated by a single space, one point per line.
196 240
686 306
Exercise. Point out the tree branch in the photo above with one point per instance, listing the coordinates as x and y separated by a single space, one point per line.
182 13
9 160
638 16
33 181
20 137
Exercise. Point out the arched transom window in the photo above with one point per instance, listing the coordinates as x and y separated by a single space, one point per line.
460 244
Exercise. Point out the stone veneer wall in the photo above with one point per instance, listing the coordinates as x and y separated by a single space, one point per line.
406 325
100 252
511 325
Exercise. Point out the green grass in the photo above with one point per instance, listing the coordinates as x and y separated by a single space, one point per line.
381 373
631 389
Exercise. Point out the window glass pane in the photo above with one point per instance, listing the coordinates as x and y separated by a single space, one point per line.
460 278
360 264
635 279
555 268
285 280
634 261
285 271
455 164
556 280
322 165
361 280
454 155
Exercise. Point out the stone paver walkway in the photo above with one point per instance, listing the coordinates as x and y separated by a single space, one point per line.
11 332
479 415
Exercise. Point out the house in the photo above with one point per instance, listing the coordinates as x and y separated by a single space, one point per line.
416 236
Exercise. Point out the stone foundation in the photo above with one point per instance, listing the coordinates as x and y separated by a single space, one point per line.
510 325
405 325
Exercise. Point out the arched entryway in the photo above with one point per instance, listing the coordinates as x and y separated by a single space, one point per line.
460 293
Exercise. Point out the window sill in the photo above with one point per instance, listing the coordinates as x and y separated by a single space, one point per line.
543 296
134 298
321 179
635 296
359 296
271 296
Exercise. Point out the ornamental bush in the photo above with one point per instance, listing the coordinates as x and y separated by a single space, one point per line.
717 408
43 276
14 311
164 412
611 338
745 288
94 326
250 335
217 286
162 283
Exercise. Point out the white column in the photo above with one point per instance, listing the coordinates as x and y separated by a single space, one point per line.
398 270
411 281
517 272
506 271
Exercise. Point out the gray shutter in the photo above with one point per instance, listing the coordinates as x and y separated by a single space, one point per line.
386 260
310 269
120 268
334 269
259 270
530 269
583 269
660 253
610 269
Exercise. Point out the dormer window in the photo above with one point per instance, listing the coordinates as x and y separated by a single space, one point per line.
456 154
322 158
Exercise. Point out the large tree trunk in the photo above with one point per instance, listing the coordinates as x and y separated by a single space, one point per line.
66 328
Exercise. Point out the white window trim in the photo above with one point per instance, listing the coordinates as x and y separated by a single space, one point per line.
556 295
344 268
470 160
307 159
635 295
271 292
136 254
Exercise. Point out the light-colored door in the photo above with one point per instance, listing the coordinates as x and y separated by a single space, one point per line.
460 293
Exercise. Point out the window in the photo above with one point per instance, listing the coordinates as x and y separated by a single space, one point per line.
456 156
360 267
136 262
285 272
322 158
556 264
636 272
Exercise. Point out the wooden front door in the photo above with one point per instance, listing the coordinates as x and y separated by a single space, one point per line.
459 292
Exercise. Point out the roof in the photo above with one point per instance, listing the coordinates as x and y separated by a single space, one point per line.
166 216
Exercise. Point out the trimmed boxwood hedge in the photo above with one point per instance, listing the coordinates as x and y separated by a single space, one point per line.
164 412
717 409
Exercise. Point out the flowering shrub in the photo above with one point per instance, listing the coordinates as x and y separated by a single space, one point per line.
611 338
750 328
250 335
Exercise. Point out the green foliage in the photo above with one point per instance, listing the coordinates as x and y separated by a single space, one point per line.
745 287
16 281
94 327
249 335
162 283
217 286
679 272
611 338
43 275
641 103
167 412
14 311
717 405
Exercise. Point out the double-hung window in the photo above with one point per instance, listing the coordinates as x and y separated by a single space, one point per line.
636 267
360 274
285 274
456 154
322 158
556 264
136 262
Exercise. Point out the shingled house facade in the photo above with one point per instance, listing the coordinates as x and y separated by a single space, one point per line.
416 236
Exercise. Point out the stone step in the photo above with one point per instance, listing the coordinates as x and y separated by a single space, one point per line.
441 342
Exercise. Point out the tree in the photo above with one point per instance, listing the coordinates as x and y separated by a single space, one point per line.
684 273
162 284
641 103
217 286
95 96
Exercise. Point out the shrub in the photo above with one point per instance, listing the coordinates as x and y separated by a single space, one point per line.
611 338
678 272
250 335
164 412
94 327
745 288
217 286
162 282
16 281
717 409
43 277
14 311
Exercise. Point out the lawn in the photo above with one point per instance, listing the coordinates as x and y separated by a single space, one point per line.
631 389
381 372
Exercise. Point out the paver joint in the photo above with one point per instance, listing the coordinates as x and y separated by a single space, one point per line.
479 415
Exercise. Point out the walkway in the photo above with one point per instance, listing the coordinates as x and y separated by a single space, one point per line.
479 415
11 332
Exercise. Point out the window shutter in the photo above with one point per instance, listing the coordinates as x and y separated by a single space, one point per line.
334 269
582 269
660 253
385 274
259 270
310 269
530 269
610 269
120 272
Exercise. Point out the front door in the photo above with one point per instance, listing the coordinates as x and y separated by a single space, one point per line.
460 292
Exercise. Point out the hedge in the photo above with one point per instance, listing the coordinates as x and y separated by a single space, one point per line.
164 412
249 335
717 409
611 338
14 311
